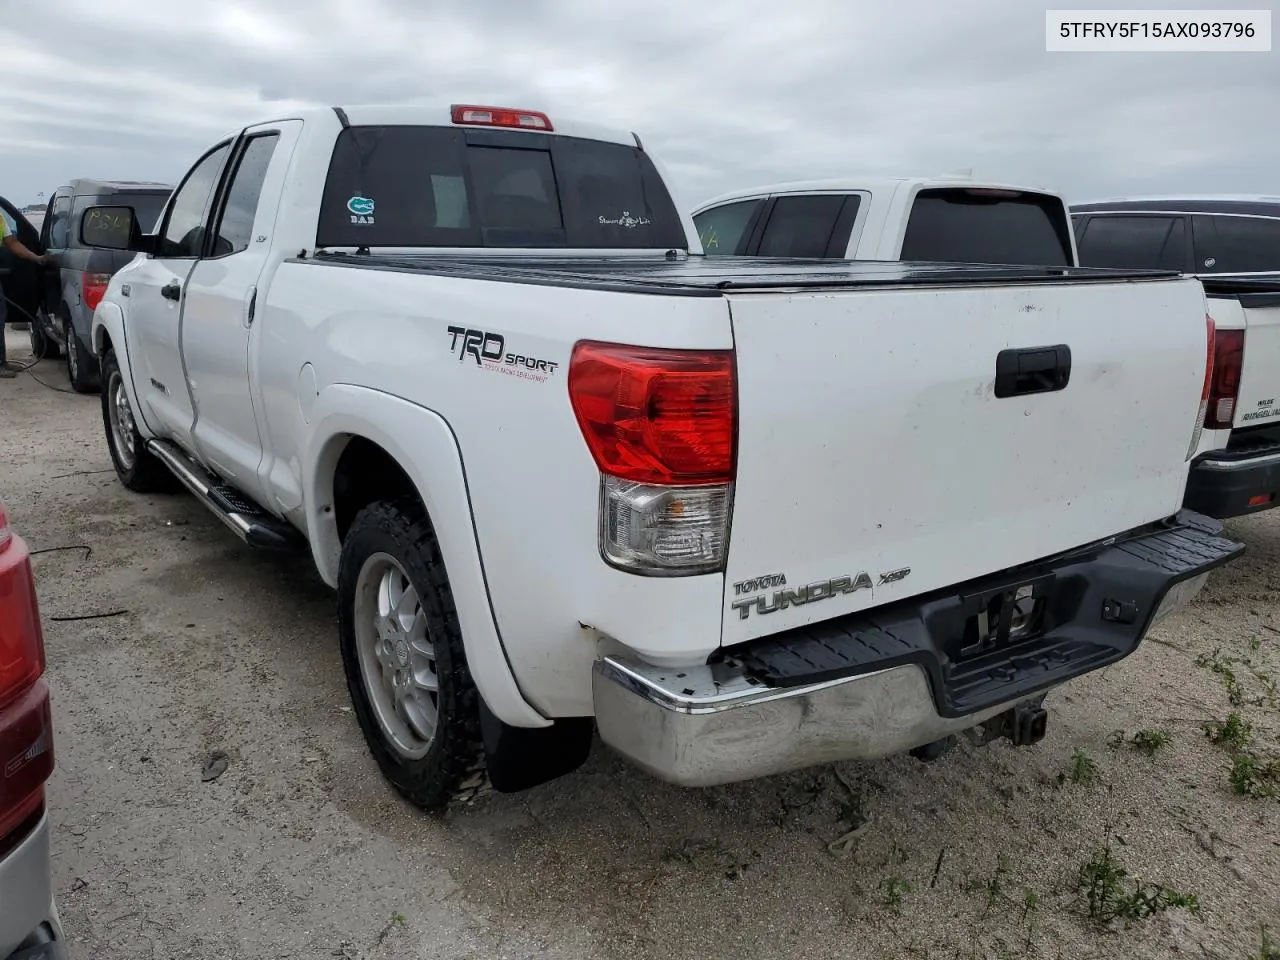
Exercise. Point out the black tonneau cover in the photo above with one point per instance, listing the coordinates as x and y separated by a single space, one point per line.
713 276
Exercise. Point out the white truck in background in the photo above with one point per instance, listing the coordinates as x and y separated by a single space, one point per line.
564 473
1232 244
933 219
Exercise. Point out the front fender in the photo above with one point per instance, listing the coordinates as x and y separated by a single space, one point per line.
108 324
424 446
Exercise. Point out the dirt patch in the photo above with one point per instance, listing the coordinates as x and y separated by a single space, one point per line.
299 848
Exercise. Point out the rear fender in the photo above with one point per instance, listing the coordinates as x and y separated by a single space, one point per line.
434 465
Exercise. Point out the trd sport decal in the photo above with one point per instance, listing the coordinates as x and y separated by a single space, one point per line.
489 351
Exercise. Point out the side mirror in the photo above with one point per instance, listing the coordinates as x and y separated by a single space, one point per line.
113 228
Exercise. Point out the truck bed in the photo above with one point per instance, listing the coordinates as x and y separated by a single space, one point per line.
714 276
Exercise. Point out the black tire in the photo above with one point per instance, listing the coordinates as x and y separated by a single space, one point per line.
139 471
81 367
452 769
43 347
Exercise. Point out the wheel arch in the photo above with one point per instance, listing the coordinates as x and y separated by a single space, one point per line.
356 451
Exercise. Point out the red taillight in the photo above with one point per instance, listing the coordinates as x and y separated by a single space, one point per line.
656 416
471 115
92 288
26 757
5 536
26 733
21 639
1228 359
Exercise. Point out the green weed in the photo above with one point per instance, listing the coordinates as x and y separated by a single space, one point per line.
1110 892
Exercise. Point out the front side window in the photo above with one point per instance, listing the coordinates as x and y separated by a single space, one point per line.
59 223
183 234
722 230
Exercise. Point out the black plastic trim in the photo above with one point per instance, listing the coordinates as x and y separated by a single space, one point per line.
342 117
1222 483
1096 605
22 832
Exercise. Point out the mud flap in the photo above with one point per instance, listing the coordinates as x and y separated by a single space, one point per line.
519 758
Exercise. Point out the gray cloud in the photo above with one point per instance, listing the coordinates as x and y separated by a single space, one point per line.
730 94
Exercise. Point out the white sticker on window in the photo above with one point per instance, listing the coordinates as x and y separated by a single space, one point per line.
626 220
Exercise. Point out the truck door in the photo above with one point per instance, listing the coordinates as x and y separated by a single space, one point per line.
54 234
223 301
155 290
22 281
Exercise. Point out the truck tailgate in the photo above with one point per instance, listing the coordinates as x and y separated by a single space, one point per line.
876 461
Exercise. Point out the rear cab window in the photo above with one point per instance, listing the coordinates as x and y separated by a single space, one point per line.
424 186
978 225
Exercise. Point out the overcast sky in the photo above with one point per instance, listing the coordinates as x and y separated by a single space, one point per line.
731 93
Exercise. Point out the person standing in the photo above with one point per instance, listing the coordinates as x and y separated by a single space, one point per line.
18 249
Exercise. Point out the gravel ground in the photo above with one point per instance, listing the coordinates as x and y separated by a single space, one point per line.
198 645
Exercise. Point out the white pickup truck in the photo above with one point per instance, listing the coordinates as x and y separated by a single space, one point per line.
940 220
1233 245
567 474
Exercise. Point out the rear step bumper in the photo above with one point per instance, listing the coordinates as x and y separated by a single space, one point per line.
1221 486
879 684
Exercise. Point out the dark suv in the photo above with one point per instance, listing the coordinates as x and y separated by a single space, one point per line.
73 291
1199 235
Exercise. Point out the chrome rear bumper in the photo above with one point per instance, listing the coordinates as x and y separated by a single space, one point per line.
29 921
703 726
845 690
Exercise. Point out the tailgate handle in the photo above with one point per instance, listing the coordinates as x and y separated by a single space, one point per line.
1032 370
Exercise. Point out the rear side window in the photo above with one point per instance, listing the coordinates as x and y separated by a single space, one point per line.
420 186
723 230
959 225
802 226
1134 242
235 225
1236 244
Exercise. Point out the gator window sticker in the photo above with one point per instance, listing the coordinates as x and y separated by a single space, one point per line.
361 210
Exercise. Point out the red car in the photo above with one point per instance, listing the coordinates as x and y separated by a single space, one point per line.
29 926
